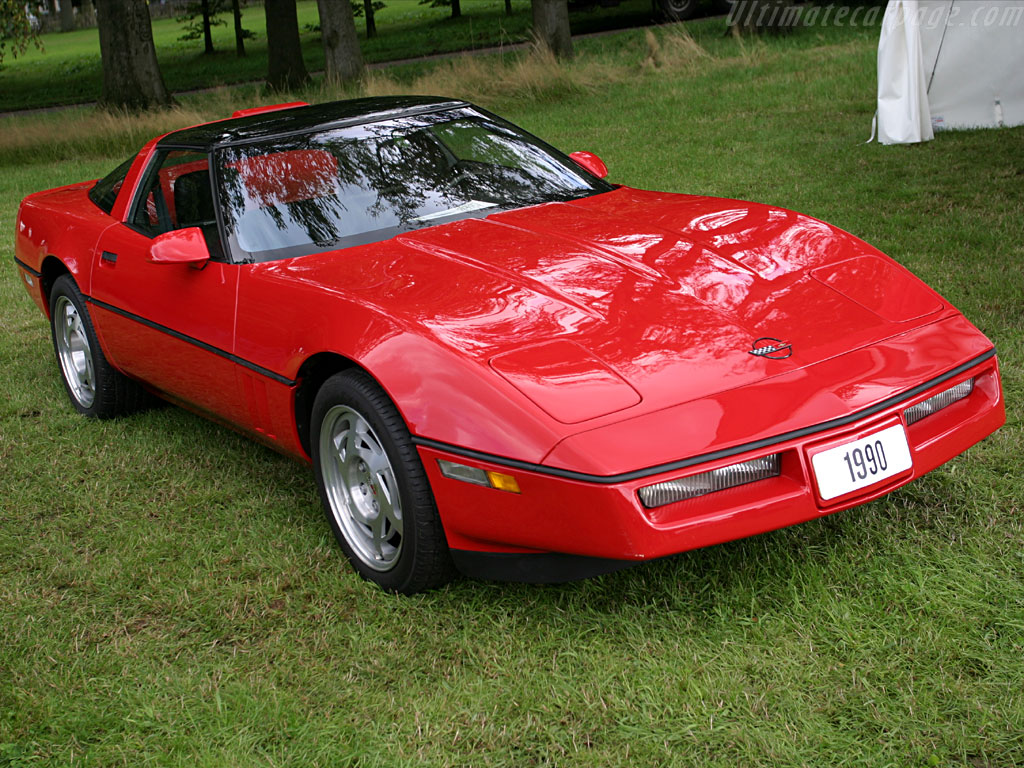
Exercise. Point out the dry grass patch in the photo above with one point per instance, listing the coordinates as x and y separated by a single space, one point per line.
675 50
533 76
66 134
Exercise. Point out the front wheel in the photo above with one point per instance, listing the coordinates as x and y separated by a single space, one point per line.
94 386
374 489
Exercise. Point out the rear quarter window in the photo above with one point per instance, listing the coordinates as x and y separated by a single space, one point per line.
104 191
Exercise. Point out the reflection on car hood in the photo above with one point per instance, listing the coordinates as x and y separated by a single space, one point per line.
670 292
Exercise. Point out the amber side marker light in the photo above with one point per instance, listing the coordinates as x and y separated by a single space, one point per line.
708 482
477 476
938 402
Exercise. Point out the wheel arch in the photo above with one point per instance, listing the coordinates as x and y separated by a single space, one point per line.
50 270
440 395
312 374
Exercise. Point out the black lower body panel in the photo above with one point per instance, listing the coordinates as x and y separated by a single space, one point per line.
534 567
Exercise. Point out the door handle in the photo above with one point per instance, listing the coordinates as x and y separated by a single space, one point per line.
108 256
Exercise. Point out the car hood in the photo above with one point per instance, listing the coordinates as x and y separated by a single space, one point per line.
635 300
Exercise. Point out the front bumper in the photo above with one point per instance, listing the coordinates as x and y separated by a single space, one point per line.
570 526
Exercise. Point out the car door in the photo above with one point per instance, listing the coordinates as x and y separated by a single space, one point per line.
170 325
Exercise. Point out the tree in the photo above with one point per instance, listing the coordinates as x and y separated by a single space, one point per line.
756 16
240 34
456 5
342 58
286 69
131 75
16 29
551 27
368 9
508 7
207 12
194 29
67 16
207 32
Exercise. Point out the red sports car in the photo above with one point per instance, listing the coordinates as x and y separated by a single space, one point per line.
496 361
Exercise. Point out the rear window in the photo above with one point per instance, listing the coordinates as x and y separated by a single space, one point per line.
104 192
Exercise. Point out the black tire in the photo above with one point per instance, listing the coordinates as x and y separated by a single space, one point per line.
679 10
374 490
94 387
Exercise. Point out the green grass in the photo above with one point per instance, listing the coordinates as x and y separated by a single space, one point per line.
67 70
170 593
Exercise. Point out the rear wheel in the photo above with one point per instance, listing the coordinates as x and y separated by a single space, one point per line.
94 387
373 487
679 10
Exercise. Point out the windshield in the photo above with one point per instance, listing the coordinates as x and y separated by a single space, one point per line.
295 195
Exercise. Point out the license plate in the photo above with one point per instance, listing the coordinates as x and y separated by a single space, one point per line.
860 463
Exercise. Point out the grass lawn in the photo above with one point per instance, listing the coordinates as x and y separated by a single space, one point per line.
170 593
68 71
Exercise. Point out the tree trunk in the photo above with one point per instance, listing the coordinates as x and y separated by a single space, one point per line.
287 70
236 10
456 9
775 17
131 75
67 16
508 7
551 27
207 33
371 24
87 14
343 61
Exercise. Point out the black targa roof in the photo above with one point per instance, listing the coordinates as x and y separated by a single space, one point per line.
240 130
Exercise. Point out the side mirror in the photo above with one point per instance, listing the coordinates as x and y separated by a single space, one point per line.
590 162
180 246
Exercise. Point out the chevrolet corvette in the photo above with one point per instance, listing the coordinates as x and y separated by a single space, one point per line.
496 361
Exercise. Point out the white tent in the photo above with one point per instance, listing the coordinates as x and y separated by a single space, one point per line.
949 64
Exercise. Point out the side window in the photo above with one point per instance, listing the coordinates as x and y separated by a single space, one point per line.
177 193
104 192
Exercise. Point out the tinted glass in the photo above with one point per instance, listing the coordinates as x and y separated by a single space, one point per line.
104 192
177 193
361 184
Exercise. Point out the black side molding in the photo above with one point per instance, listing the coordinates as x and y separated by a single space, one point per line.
195 342
27 268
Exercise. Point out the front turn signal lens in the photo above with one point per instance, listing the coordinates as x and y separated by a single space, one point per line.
503 482
476 476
